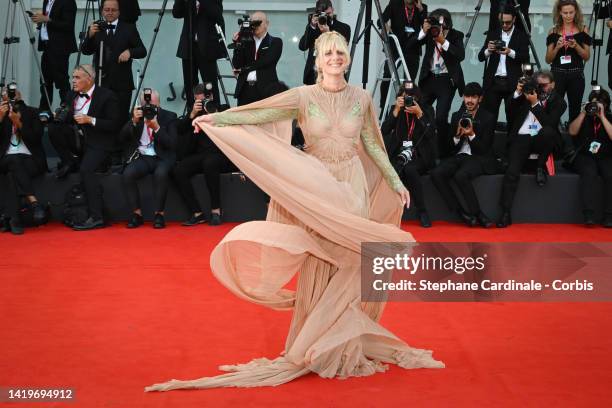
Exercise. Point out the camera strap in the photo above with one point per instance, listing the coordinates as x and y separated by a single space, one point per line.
410 126
409 18
79 109
596 127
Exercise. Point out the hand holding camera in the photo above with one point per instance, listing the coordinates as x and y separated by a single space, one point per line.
594 108
39 18
94 28
136 115
197 109
4 109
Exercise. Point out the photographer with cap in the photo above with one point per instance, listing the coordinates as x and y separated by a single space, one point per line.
472 149
150 139
201 156
321 21
592 132
255 58
535 110
84 135
21 154
409 134
119 43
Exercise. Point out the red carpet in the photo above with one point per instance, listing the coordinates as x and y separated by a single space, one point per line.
110 311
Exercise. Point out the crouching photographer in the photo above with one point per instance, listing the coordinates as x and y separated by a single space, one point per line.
200 155
150 139
21 156
409 133
592 132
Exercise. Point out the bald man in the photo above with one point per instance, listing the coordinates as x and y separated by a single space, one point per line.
256 61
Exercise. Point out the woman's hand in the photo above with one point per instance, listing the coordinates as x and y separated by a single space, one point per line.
404 196
208 119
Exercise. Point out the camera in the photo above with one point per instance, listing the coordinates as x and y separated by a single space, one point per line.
102 25
323 19
437 25
247 29
406 154
11 93
530 84
408 97
466 120
209 105
499 45
591 108
149 110
408 101
62 113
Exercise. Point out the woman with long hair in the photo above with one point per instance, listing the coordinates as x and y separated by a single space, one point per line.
567 51
325 201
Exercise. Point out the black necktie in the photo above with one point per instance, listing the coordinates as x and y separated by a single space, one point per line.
111 29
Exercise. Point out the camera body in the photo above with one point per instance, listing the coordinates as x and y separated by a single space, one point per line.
406 154
11 93
62 113
247 29
499 45
466 121
436 25
408 100
149 110
102 25
591 108
209 105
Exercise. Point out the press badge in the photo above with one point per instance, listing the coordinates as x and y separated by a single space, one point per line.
533 129
594 148
566 59
408 29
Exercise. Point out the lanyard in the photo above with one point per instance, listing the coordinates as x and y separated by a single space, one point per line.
596 127
150 133
411 126
409 18
82 106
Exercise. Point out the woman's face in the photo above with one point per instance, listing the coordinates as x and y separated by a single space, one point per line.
333 62
568 13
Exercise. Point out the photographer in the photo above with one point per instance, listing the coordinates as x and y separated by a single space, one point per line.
409 134
203 157
441 74
56 40
472 155
150 139
535 110
321 21
255 59
85 131
119 43
205 46
504 51
592 130
407 17
21 152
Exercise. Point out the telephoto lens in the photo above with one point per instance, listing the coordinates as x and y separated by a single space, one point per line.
591 108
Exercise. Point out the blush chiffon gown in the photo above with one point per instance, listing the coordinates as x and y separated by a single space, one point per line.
325 201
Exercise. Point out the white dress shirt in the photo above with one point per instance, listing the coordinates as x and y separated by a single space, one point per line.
44 34
501 67
253 74
531 125
17 146
146 144
438 66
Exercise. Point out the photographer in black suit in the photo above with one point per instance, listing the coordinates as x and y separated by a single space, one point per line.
56 41
21 152
441 74
121 43
409 134
504 51
255 59
150 139
471 147
535 110
85 131
317 25
592 131
201 156
205 45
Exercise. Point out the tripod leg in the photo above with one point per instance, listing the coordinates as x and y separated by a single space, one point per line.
468 35
386 47
6 52
221 84
356 37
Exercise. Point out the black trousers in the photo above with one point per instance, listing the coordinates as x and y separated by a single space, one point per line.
572 85
500 90
462 169
442 90
410 174
212 163
208 72
249 94
412 62
518 153
64 140
139 168
55 72
125 100
590 166
21 169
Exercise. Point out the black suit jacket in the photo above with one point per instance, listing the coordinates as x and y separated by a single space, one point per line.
115 75
452 58
548 116
129 11
103 107
269 53
31 135
519 43
203 27
60 29
483 146
395 131
396 12
164 140
307 43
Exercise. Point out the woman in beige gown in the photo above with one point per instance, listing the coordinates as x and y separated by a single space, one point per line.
341 191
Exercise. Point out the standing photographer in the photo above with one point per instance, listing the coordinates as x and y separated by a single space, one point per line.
56 40
409 134
21 152
321 21
150 139
199 19
504 51
536 110
255 59
592 130
472 155
441 74
203 156
119 43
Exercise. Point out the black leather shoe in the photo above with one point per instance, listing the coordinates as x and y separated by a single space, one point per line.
39 213
16 227
159 222
484 221
215 219
5 225
195 220
541 176
63 171
424 219
135 221
607 221
468 219
89 224
504 221
589 219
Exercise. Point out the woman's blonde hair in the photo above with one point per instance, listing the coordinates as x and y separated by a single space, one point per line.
558 20
328 42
